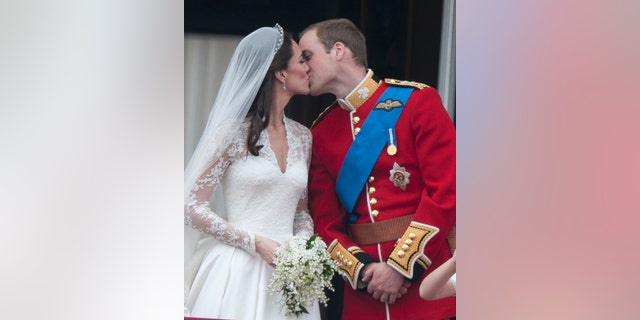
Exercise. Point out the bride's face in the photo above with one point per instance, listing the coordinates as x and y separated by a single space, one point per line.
297 77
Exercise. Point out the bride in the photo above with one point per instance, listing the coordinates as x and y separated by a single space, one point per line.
252 164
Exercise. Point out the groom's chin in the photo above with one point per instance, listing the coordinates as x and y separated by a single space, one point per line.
313 92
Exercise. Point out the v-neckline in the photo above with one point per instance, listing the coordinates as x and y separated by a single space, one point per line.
273 153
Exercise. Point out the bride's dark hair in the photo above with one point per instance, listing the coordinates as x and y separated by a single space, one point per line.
258 114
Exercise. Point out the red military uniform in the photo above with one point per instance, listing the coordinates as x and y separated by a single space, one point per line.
418 180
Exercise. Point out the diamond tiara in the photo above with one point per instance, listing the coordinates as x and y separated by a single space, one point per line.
281 32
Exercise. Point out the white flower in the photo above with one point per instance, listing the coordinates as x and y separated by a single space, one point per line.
304 269
363 93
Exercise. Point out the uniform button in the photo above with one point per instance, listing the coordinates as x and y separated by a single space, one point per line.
375 213
356 131
371 178
409 242
412 235
372 190
355 120
405 247
400 253
373 201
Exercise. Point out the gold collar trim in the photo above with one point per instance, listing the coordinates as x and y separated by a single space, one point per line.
360 93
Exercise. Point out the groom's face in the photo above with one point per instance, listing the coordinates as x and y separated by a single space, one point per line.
321 66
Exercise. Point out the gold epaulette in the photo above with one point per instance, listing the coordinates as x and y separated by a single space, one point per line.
410 248
323 113
405 83
350 266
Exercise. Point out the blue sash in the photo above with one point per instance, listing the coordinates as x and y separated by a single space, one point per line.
368 145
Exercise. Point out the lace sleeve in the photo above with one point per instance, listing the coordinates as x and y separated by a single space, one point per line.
198 214
302 222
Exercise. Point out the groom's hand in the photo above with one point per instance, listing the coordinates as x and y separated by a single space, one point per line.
384 283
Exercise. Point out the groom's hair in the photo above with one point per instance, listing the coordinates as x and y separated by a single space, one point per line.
341 30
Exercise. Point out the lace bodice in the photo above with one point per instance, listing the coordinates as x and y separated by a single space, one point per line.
258 198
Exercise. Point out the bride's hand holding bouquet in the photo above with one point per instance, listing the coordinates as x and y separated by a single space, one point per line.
303 270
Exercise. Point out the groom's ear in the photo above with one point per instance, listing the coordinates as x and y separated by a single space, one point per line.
339 50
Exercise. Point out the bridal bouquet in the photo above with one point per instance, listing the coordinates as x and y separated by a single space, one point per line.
304 269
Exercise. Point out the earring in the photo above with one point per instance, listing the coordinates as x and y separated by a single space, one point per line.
284 87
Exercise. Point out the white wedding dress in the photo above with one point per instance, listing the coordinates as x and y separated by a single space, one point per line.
231 279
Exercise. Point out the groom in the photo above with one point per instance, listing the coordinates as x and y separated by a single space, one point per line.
382 178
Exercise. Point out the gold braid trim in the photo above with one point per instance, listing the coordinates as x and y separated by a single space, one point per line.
349 266
323 113
424 262
410 248
405 83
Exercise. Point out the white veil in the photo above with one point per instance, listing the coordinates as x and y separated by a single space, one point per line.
239 87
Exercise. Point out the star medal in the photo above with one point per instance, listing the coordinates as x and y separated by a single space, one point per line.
399 176
391 141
